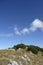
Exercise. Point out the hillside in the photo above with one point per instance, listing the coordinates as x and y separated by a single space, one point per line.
21 55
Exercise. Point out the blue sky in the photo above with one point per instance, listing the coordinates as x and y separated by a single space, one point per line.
21 21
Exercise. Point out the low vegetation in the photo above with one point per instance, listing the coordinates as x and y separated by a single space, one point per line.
19 46
32 48
22 54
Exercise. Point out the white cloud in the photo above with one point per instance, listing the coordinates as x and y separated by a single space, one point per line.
16 30
36 24
6 35
25 30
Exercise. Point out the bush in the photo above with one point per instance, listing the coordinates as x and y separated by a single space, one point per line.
41 49
32 48
19 46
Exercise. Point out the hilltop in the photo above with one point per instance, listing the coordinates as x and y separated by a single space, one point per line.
21 54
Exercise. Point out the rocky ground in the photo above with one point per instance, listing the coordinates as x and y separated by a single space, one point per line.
20 57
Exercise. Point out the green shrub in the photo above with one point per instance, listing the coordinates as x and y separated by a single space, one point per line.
19 46
41 49
33 49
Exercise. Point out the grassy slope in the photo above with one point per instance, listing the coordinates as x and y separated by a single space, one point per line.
6 55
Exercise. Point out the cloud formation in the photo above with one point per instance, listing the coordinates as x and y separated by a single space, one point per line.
25 30
36 24
16 30
6 35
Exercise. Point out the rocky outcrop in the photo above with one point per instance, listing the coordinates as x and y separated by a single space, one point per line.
21 59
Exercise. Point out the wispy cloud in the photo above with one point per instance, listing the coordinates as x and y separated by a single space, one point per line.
25 30
6 35
16 30
36 24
